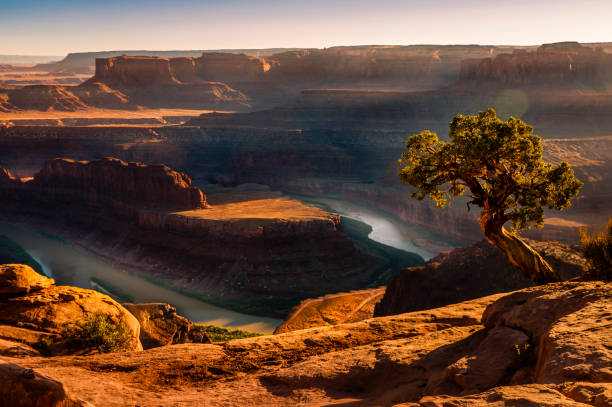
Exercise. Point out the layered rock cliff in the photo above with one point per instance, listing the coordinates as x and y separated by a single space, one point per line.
556 66
263 255
134 71
124 188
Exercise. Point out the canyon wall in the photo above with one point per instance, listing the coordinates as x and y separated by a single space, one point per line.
259 256
134 71
553 65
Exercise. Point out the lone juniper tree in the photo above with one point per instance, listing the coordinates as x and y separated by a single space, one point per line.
500 164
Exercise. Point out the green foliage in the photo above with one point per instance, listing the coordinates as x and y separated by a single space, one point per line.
597 249
499 162
11 252
220 334
98 332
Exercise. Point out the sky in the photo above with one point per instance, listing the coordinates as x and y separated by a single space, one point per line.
57 27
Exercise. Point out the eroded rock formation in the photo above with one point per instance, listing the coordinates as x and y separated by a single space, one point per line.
545 346
560 65
160 325
469 272
35 306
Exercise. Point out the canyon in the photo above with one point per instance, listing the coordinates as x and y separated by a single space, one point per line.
249 255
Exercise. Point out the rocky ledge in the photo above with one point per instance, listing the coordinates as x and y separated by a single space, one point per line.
470 272
540 346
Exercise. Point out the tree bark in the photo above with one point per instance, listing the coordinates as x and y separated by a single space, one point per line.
518 253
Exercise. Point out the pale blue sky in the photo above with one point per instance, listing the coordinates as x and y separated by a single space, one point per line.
56 27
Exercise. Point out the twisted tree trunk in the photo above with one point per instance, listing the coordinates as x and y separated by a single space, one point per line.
518 253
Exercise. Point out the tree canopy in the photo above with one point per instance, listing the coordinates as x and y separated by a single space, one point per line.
499 162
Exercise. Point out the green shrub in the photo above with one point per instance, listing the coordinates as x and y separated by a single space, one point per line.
220 334
98 332
597 250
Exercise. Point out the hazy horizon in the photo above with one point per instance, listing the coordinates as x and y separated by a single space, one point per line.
54 28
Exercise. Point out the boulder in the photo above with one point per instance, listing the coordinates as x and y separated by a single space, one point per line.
492 360
160 325
569 323
49 308
532 395
18 279
26 388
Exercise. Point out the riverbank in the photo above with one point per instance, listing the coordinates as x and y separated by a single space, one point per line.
72 265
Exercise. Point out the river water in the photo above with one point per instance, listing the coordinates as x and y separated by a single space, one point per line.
386 228
69 264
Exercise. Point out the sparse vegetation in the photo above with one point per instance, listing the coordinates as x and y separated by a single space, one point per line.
220 334
98 333
597 249
500 163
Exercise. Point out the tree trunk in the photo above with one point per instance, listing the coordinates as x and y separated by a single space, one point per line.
518 253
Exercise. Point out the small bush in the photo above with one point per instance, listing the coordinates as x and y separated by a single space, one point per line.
220 334
98 333
597 249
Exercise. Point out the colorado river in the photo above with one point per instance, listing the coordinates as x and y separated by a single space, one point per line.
71 265
386 229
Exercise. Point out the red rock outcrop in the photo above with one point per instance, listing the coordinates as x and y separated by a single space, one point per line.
541 346
160 325
112 183
230 68
45 97
561 64
150 81
184 69
469 272
127 71
26 388
34 302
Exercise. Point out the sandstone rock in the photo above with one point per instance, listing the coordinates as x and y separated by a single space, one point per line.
491 362
184 69
564 64
133 71
230 68
45 97
332 309
27 388
17 279
113 183
160 325
50 308
16 349
595 394
571 325
520 396
395 360
469 272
